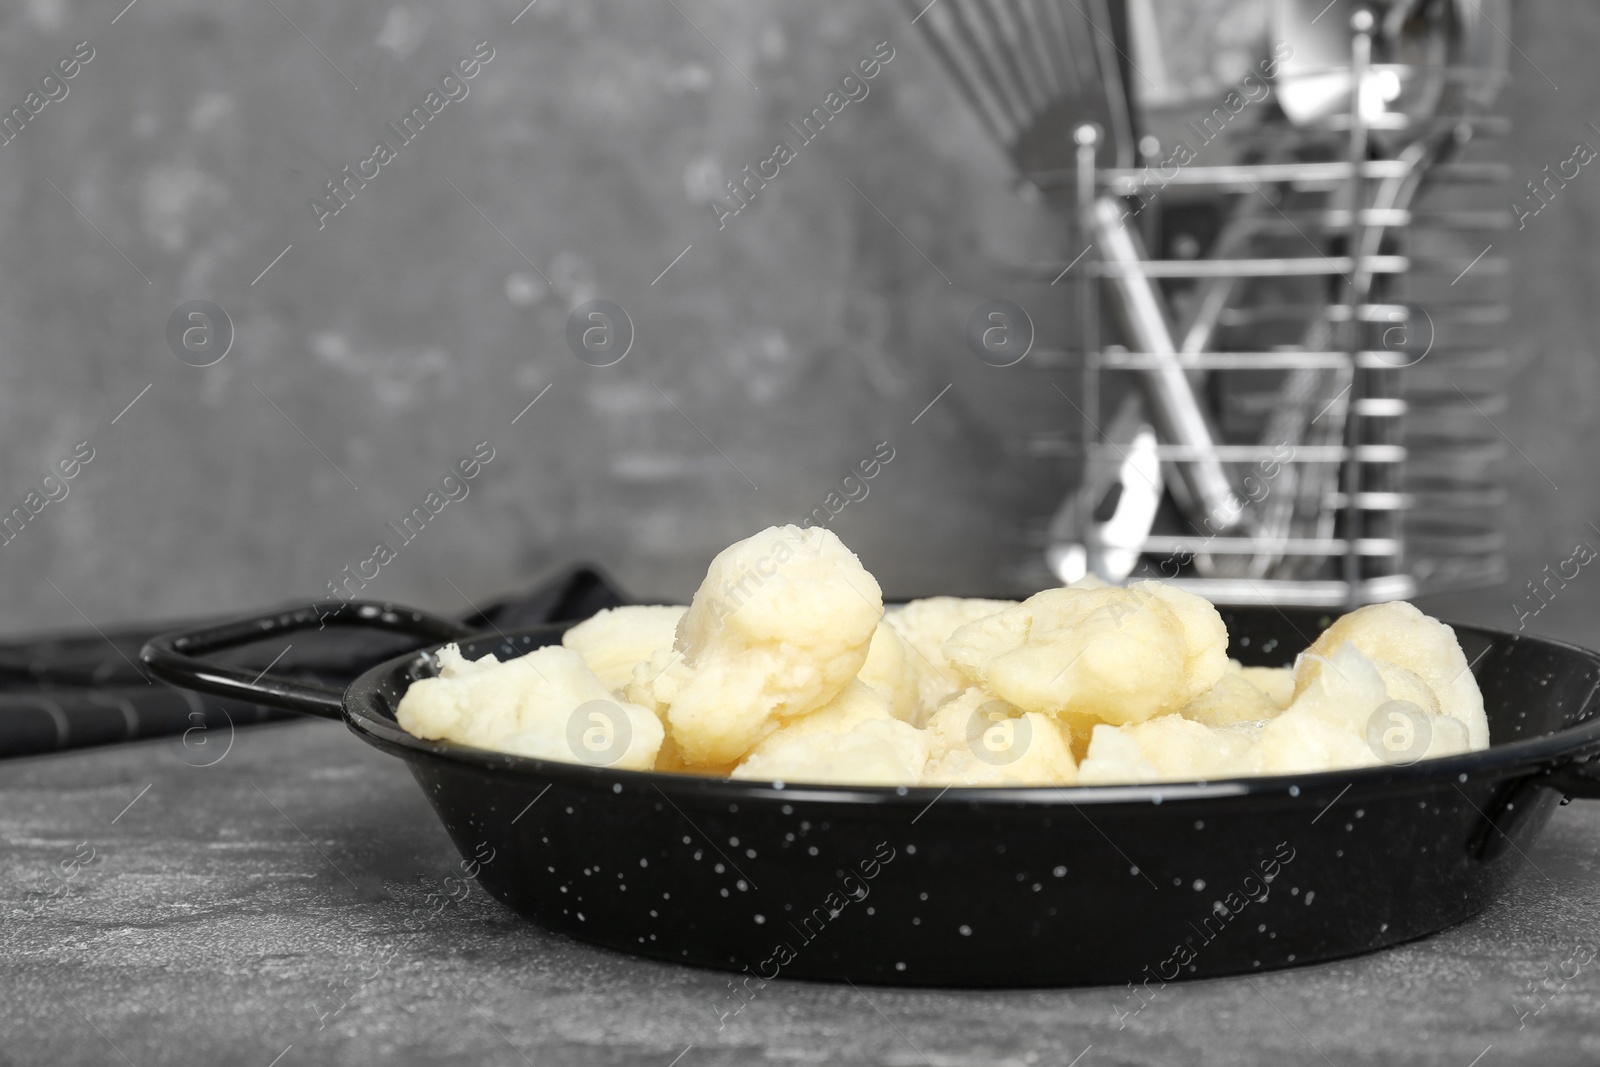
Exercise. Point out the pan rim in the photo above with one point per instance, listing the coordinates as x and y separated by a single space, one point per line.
361 716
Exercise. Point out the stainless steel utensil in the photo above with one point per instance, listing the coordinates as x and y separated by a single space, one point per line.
1443 31
1406 490
1101 528
1038 74
1202 486
1312 88
1405 82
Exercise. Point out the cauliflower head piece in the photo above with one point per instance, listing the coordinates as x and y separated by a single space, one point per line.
854 739
1166 748
1276 682
1343 717
614 641
926 625
1355 712
781 624
979 740
546 704
1107 655
1232 700
1398 634
893 669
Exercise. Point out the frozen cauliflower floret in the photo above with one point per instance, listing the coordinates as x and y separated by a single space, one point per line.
1276 682
780 625
1355 712
612 642
926 625
1115 758
1401 684
452 664
650 687
1167 748
979 740
1347 715
856 703
1179 748
786 668
1326 726
1398 633
1112 655
1232 700
1205 636
547 704
892 669
853 739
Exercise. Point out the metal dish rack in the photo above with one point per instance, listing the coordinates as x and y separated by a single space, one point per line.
1392 483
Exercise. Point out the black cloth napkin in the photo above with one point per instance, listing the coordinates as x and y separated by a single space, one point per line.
77 689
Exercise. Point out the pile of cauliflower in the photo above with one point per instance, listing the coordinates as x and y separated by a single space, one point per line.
786 667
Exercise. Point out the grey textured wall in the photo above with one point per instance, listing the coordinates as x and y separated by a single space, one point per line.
1553 387
421 319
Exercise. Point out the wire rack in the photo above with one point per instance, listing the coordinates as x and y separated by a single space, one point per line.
1349 369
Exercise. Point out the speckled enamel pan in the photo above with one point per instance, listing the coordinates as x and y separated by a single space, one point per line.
978 887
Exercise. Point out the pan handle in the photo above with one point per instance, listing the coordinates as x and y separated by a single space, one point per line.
178 657
1574 777
1579 780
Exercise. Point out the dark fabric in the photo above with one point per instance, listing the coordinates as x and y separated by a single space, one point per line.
72 690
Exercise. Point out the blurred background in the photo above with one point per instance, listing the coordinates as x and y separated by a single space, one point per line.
770 355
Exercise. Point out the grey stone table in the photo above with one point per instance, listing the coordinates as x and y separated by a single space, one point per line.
161 912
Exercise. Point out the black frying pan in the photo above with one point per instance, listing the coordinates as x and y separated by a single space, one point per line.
978 887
